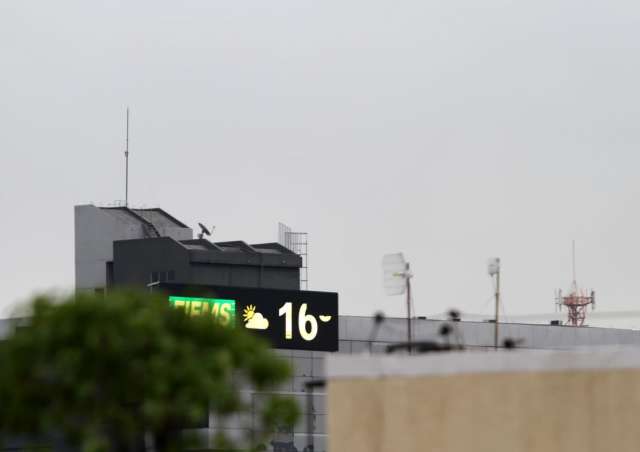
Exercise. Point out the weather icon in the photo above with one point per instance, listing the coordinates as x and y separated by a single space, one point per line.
254 320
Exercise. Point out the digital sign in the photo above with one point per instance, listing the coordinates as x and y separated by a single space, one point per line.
299 320
223 311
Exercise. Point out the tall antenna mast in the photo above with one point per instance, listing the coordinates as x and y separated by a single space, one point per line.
126 158
573 258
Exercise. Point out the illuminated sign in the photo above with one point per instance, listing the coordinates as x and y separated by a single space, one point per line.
222 310
300 320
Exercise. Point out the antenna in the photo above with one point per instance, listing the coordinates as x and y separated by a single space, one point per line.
573 258
126 159
204 231
493 268
397 280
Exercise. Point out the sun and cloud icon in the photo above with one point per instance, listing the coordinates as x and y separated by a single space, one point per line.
254 320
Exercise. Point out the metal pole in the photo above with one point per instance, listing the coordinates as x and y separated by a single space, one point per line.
497 308
126 158
573 259
408 278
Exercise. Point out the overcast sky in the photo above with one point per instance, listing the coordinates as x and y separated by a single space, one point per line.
450 130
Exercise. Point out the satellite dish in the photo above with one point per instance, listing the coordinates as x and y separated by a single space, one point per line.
395 274
493 266
204 231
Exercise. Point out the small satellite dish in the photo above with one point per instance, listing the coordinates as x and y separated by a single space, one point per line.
395 274
204 231
493 266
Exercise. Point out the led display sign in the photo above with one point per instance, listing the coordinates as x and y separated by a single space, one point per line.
223 311
301 320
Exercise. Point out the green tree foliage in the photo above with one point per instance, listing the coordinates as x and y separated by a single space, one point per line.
104 371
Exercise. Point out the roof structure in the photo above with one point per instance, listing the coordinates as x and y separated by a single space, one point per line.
236 246
154 222
159 217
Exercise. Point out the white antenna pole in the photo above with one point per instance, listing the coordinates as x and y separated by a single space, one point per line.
494 270
126 158
409 336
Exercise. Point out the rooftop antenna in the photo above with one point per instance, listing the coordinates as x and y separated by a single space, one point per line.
126 159
573 259
204 231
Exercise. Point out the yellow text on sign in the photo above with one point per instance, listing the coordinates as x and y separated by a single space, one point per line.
307 323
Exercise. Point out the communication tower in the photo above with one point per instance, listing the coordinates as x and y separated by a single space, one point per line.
577 300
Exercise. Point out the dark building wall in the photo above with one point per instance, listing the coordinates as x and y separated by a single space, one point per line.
276 278
134 261
245 276
139 262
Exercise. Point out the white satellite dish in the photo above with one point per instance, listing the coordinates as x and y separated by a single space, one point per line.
395 274
493 266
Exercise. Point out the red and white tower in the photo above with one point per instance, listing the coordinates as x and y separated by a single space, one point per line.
577 300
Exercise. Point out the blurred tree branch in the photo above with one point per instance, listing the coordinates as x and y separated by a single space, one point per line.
104 371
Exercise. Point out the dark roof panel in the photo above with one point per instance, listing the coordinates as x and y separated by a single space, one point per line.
273 248
201 244
236 245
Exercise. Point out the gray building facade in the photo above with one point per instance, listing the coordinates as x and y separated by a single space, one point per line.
200 262
120 246
97 228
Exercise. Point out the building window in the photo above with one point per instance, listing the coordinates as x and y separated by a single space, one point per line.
171 275
154 276
109 275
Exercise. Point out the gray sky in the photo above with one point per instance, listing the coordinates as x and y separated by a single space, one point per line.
450 130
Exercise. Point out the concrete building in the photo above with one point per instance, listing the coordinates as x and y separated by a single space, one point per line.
355 339
522 400
97 228
119 246
134 247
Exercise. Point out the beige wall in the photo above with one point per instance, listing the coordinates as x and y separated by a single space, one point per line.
541 411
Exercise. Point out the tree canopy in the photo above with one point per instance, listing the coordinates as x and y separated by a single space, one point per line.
105 371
